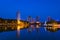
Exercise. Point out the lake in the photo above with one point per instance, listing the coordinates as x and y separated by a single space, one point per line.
33 35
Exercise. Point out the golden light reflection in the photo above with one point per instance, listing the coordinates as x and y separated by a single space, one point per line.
18 22
18 27
55 25
21 25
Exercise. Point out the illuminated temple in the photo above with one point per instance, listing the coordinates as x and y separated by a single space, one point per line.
13 24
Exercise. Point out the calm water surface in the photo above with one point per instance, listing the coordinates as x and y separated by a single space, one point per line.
34 35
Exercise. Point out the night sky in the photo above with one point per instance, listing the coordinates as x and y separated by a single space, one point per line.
42 8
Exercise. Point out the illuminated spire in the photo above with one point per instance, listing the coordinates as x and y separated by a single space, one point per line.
18 23
29 18
18 15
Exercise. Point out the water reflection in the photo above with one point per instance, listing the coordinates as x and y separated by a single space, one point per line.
18 33
33 27
24 35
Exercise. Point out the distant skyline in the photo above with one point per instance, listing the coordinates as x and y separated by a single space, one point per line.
42 8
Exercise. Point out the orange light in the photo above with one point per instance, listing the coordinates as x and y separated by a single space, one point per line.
18 28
